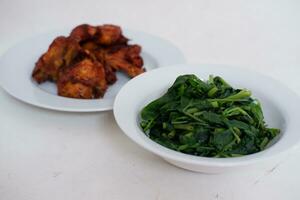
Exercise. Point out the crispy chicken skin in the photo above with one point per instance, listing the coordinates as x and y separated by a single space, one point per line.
86 61
60 53
84 80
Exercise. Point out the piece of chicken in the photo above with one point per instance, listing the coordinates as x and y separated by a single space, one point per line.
60 53
110 47
84 80
110 35
126 58
102 35
83 32
110 73
92 50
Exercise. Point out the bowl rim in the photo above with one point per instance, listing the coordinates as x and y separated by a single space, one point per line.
284 144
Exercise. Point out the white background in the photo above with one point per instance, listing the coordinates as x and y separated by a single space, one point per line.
55 155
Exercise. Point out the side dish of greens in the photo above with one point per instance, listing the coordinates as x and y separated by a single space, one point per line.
209 119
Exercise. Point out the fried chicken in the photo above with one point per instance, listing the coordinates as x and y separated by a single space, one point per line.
102 35
111 48
110 35
84 63
83 32
60 53
126 58
84 80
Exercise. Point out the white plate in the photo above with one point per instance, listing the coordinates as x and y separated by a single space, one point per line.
17 63
280 105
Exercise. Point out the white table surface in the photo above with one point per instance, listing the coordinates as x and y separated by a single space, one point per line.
55 155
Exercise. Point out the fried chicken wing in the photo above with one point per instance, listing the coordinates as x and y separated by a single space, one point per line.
60 53
102 35
83 32
126 58
110 35
84 80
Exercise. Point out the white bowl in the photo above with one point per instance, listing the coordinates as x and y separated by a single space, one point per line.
280 106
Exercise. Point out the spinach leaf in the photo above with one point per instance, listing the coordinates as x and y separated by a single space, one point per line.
210 119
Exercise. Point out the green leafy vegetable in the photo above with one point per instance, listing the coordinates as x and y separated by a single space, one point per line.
209 119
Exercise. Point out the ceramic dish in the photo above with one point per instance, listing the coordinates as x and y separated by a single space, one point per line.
18 62
280 107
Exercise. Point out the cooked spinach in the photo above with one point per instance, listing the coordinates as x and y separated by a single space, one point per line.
207 118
